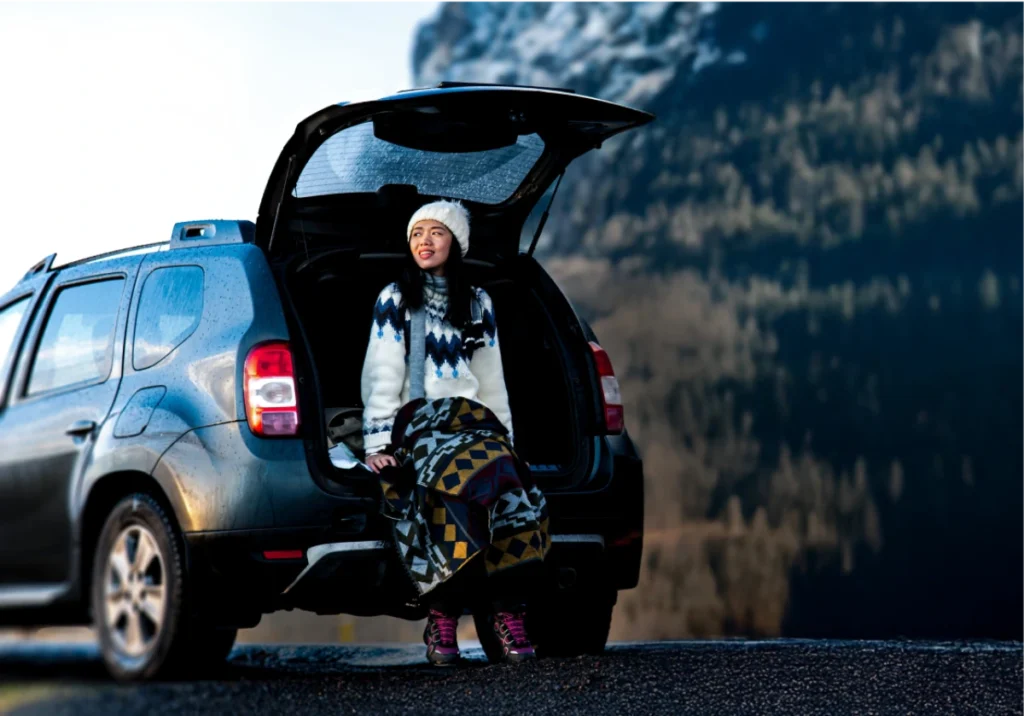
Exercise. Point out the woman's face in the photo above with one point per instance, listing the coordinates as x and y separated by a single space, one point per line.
429 242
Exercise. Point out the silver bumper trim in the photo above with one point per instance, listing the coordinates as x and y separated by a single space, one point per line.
579 539
317 552
29 595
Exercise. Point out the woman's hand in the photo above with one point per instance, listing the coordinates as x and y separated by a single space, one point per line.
379 460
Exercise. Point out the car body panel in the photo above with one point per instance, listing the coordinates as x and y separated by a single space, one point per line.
199 379
135 417
224 478
11 486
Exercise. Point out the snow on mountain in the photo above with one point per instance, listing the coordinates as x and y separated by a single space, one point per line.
621 51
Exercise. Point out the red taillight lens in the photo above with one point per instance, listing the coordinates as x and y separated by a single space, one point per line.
611 398
271 404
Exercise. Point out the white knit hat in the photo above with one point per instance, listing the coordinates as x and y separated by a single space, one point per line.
450 213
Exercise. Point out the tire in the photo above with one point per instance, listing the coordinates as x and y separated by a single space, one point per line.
488 639
138 592
571 622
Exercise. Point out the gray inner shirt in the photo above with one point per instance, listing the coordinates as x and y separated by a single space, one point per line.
418 335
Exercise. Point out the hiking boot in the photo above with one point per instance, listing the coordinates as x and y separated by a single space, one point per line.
439 636
511 631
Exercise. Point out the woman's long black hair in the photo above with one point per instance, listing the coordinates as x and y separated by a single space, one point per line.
460 293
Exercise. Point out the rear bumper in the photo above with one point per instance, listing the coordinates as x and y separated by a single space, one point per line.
348 565
238 583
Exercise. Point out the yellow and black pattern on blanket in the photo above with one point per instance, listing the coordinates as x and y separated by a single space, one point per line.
468 465
526 546
464 492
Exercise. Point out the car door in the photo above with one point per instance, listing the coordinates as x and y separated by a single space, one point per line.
64 383
15 314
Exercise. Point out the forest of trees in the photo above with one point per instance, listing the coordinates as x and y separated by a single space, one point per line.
807 272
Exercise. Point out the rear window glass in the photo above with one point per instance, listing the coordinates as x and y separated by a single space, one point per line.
169 312
10 320
355 161
78 342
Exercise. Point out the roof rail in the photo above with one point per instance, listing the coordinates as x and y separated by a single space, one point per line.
451 85
116 253
446 85
212 232
43 266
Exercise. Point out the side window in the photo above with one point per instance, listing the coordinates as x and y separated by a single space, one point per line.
78 341
169 311
10 320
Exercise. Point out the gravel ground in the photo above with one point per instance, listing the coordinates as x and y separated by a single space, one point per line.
719 677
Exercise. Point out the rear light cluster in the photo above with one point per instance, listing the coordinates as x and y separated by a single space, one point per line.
271 403
611 398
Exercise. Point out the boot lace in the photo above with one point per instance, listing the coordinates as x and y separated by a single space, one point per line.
445 625
515 625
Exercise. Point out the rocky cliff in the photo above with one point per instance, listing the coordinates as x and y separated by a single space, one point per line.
807 272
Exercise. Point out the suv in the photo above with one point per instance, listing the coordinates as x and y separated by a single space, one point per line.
142 488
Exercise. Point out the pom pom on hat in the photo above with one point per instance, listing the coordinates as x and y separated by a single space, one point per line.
450 213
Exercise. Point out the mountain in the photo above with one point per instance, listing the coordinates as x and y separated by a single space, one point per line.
807 272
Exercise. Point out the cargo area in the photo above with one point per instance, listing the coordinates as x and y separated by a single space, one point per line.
331 297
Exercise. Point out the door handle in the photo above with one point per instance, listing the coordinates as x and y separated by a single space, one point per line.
81 428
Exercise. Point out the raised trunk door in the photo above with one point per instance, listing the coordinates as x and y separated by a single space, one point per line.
497 149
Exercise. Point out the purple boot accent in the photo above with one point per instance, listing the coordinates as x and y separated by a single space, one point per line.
510 629
440 638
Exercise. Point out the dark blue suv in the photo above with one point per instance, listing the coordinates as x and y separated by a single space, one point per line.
166 411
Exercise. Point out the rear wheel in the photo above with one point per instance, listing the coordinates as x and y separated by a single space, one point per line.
139 588
571 622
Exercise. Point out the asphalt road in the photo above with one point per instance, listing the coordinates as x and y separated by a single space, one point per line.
722 677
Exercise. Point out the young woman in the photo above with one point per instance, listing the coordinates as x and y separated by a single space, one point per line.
470 526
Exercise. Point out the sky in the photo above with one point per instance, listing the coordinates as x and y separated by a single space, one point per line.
119 120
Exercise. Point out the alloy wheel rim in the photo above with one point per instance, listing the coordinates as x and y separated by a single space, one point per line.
135 595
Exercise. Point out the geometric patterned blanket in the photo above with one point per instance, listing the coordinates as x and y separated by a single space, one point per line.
460 491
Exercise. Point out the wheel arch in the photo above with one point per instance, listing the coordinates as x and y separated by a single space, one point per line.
104 494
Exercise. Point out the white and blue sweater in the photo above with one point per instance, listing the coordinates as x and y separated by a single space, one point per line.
451 367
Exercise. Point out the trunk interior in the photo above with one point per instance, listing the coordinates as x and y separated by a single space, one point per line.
332 295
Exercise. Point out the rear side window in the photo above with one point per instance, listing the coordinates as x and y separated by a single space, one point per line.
78 341
169 312
10 320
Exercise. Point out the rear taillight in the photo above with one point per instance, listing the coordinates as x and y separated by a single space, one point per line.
271 405
611 398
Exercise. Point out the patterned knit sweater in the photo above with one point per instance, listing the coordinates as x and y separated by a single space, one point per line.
469 368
